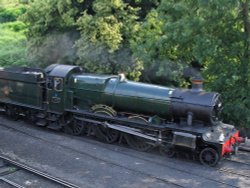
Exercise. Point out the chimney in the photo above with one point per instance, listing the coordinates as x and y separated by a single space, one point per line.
197 84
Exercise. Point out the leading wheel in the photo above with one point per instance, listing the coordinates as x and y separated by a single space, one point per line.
209 157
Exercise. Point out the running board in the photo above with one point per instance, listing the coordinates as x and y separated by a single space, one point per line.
129 130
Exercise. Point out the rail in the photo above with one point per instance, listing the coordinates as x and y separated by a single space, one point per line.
36 172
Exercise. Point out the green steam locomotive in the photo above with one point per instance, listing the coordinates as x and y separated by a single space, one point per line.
62 97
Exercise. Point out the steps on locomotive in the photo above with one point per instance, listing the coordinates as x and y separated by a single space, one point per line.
2 110
41 115
54 126
41 123
52 118
49 118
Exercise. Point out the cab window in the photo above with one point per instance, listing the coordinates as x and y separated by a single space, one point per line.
50 83
58 84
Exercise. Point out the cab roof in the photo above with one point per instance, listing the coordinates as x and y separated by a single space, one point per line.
63 71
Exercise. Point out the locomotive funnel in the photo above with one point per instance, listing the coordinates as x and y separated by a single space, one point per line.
197 84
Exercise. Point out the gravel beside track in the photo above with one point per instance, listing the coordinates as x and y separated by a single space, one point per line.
90 163
20 175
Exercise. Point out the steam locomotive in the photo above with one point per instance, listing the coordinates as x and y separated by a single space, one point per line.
62 97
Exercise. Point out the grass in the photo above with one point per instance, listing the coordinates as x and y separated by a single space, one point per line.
12 44
12 34
9 3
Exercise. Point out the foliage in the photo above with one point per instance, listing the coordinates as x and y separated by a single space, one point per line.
150 46
54 48
52 31
11 14
215 34
164 42
103 46
105 62
12 44
12 34
98 29
110 25
228 70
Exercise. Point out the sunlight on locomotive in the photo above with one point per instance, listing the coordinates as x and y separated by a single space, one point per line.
222 137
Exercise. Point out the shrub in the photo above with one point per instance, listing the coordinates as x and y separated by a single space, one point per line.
12 44
11 14
15 26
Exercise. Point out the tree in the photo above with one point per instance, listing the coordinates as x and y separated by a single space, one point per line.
166 41
12 37
103 46
229 72
52 31
92 33
214 34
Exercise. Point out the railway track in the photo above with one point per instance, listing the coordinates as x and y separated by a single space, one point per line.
225 170
233 171
85 153
20 175
220 169
243 159
239 162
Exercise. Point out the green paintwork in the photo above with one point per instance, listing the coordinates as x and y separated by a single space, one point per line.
59 99
55 100
82 91
21 87
89 90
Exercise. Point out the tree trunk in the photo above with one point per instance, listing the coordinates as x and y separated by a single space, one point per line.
246 21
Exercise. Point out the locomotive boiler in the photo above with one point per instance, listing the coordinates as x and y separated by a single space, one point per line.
115 109
140 98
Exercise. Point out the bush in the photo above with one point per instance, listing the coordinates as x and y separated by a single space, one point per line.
11 14
12 44
15 26
24 1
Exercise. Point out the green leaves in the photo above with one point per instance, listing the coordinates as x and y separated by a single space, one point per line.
97 58
95 32
164 42
12 44
12 37
9 14
110 24
104 30
212 33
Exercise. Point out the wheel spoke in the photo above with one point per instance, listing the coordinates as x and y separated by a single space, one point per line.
209 156
75 128
106 134
167 151
137 143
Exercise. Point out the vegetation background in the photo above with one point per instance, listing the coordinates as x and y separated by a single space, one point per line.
12 34
158 41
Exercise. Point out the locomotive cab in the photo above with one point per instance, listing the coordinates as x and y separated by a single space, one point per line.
57 80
